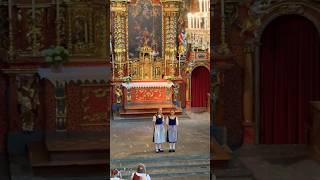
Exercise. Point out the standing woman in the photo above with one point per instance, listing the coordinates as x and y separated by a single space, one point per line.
159 133
172 122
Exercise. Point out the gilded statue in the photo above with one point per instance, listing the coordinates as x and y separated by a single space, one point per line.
118 93
175 92
28 100
255 11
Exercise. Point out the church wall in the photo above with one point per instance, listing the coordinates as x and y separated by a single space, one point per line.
232 91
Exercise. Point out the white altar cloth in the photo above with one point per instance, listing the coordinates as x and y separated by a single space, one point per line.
147 85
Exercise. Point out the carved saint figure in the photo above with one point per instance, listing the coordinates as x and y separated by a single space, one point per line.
118 93
182 39
28 100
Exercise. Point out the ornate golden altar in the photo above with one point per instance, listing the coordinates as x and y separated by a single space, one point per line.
146 67
142 76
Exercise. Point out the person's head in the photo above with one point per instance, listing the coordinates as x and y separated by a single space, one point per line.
114 173
160 111
141 168
172 112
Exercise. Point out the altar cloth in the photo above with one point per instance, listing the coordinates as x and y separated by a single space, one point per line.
89 73
147 85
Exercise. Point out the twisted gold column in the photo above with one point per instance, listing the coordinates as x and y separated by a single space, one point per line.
170 16
119 10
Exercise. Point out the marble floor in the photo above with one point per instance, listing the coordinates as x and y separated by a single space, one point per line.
276 162
280 162
133 140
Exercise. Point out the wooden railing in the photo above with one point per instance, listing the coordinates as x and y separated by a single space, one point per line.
315 129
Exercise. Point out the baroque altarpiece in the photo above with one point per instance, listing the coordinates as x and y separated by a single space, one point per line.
152 60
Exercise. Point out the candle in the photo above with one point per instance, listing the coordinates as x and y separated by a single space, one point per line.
179 65
200 5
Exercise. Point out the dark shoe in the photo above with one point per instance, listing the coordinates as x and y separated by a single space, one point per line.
160 150
157 151
173 150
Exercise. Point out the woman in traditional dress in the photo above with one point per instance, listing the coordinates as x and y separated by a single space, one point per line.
159 133
172 123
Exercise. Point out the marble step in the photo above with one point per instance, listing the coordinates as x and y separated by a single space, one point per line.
143 118
163 167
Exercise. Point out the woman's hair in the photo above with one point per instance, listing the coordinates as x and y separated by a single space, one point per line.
141 168
114 172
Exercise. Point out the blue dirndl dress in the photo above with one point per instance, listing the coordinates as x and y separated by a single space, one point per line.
172 131
159 132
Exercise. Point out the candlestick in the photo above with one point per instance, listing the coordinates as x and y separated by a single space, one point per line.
179 65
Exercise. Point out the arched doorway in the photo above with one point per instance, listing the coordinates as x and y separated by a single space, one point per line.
289 79
200 82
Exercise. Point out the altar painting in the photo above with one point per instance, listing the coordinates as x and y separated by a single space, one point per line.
145 26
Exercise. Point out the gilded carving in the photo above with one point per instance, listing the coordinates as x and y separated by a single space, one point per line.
292 8
28 100
255 12
91 99
118 93
34 30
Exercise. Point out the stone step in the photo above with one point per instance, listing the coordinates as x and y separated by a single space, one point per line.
153 158
143 118
165 166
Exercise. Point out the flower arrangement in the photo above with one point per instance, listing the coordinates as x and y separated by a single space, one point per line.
55 56
168 78
126 79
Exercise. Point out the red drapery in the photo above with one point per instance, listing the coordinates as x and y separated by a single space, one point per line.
289 79
200 82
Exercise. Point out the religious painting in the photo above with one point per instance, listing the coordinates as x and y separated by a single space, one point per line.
145 27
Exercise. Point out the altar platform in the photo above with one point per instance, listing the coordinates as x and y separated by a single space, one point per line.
146 97
70 154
